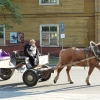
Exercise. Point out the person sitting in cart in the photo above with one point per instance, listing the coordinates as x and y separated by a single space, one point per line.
31 51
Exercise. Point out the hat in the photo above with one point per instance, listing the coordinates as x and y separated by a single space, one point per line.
32 40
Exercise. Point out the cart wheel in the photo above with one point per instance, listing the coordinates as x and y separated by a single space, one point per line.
6 74
30 77
45 79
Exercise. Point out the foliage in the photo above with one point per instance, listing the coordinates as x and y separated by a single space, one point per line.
7 8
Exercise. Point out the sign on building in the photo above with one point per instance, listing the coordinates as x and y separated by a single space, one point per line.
62 26
16 37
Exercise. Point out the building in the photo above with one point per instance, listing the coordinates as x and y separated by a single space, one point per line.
55 24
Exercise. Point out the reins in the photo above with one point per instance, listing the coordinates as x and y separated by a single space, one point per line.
74 63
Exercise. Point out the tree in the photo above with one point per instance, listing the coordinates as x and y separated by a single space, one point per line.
8 7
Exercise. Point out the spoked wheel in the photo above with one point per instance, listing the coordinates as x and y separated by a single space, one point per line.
30 77
6 73
48 77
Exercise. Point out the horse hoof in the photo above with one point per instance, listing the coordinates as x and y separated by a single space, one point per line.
71 82
88 84
54 81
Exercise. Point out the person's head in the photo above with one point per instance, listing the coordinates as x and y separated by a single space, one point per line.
32 42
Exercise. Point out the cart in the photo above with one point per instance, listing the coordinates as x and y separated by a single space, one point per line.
31 75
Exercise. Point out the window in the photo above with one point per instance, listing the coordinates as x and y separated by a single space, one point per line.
48 2
49 35
2 35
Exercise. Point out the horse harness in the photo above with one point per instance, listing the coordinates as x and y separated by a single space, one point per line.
95 51
86 50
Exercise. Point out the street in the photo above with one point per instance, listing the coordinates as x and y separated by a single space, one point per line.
15 89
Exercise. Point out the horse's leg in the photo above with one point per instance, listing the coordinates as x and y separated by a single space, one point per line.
91 68
68 75
57 76
56 70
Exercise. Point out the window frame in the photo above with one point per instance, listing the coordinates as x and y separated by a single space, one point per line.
48 3
3 35
57 25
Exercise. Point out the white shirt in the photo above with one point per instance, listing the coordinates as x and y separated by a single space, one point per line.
32 51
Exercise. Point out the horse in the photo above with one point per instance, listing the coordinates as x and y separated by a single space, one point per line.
76 57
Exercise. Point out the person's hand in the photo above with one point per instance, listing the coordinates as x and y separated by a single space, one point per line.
31 55
39 54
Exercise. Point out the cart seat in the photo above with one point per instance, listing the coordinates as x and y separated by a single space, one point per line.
19 56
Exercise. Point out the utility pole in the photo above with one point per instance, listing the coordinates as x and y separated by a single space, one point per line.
62 36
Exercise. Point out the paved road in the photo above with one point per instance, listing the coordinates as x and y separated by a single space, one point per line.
15 89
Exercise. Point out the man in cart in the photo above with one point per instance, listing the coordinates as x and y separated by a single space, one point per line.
31 51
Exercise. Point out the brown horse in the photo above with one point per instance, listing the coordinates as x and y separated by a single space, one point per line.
70 55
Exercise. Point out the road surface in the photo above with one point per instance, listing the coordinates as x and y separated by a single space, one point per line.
15 89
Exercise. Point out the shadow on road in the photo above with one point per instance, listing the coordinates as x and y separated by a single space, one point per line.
15 89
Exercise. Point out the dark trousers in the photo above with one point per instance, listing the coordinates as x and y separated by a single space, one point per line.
34 60
31 59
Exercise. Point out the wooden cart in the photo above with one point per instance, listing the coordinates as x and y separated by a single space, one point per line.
31 75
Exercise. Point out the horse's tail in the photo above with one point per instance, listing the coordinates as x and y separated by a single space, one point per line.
59 63
57 66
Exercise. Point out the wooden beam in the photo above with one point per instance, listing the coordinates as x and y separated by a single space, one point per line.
96 5
96 29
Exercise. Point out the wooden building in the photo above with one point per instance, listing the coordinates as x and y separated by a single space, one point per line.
55 24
